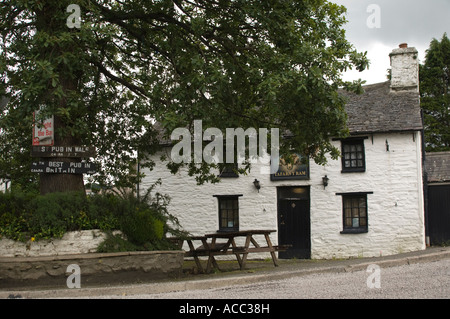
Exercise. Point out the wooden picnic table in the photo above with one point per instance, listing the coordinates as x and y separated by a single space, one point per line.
229 247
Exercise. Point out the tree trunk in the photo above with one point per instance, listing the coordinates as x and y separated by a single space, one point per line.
50 21
52 183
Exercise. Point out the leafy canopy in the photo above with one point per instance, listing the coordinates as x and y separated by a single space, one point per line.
435 95
235 63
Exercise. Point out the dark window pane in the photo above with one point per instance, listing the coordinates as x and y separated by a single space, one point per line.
348 222
355 211
228 213
353 155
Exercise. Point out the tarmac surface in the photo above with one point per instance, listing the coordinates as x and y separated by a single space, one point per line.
256 272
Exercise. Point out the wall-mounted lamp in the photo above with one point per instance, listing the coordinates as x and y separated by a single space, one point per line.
257 184
387 146
325 180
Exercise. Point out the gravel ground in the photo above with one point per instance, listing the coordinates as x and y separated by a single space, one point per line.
425 280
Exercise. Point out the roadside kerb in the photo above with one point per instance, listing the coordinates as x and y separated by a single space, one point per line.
429 257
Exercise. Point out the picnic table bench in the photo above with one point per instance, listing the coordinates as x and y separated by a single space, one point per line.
210 247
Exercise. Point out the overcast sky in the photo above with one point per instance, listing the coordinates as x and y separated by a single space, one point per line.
379 26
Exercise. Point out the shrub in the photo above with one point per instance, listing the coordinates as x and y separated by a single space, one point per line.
143 222
53 214
116 243
13 215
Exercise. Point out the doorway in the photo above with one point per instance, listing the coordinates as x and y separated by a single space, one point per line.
294 225
439 214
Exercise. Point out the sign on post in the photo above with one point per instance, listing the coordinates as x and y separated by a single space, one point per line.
59 167
43 140
62 151
43 133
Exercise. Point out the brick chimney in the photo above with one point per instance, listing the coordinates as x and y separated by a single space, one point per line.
404 69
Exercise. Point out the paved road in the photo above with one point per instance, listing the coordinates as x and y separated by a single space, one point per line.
422 274
429 279
424 280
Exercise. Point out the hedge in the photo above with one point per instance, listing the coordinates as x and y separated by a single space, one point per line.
144 222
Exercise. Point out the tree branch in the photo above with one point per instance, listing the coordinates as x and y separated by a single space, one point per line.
138 90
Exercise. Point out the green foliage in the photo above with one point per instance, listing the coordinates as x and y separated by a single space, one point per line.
141 227
270 64
116 243
435 95
144 223
54 214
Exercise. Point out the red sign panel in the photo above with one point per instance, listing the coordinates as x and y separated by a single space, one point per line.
43 133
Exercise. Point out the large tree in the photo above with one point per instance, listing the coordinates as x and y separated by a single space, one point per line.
235 63
435 95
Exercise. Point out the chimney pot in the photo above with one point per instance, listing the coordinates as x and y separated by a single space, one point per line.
403 45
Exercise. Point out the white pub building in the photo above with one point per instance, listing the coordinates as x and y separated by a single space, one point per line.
368 203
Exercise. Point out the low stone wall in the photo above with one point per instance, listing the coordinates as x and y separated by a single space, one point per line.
45 262
74 242
94 268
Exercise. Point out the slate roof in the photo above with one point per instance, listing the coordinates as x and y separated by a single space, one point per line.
437 166
378 110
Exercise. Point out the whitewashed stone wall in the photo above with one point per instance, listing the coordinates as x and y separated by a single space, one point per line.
405 69
75 242
395 209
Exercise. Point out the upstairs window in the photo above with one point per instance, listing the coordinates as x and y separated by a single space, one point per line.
353 156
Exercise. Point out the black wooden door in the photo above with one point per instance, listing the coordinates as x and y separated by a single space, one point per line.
439 214
294 228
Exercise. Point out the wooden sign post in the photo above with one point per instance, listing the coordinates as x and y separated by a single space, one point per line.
51 164
63 151
58 167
